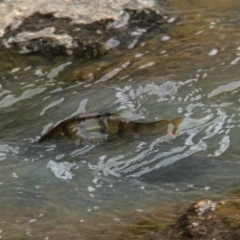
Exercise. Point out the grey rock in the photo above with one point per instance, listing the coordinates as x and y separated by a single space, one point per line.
82 28
12 12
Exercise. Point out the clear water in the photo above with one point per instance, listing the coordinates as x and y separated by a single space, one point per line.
63 189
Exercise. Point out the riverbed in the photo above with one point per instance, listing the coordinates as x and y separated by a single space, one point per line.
64 190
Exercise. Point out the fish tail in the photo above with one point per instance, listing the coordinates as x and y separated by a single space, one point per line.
176 122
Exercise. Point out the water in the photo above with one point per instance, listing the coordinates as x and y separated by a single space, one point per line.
57 189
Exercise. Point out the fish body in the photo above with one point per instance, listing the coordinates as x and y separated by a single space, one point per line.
100 127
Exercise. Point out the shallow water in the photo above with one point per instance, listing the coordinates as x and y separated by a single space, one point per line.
63 190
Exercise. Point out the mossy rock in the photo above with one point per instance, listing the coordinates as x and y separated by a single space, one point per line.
204 220
46 34
208 219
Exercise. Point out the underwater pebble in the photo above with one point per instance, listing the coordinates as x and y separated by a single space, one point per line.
27 68
15 70
112 43
33 220
235 61
138 55
165 38
171 20
132 45
147 65
204 75
213 52
199 32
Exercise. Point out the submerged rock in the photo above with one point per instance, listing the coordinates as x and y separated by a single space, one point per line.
206 220
100 127
73 29
12 12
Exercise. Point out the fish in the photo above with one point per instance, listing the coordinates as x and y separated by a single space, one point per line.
98 127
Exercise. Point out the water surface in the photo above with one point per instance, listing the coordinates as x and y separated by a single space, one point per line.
57 189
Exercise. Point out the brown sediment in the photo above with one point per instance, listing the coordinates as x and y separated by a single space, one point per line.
56 222
191 40
203 220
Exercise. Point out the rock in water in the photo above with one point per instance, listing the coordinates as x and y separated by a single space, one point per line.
70 27
101 127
